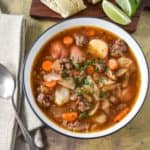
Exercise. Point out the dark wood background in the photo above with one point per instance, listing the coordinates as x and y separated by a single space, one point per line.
40 11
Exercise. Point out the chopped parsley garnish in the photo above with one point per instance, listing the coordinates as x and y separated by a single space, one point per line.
79 81
77 66
76 80
82 67
87 82
88 63
79 92
83 115
106 69
99 61
64 74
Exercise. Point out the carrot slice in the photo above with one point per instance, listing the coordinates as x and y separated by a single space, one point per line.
119 116
90 70
113 64
68 40
51 84
47 65
70 116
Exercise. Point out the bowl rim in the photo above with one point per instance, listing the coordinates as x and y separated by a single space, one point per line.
63 133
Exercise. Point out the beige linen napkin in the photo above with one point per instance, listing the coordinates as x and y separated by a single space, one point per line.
12 37
11 28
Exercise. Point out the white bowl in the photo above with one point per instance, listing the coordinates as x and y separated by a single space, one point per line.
50 32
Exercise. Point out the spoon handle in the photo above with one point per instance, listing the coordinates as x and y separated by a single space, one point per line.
25 132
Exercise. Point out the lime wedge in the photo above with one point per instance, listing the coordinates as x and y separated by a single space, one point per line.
114 13
129 6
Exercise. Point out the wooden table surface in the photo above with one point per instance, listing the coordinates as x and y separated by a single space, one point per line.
136 135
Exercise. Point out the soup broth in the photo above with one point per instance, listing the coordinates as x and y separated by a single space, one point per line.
85 79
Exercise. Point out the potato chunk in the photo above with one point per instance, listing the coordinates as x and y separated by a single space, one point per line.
102 118
99 48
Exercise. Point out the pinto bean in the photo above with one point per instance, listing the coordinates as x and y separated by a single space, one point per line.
57 50
64 53
102 118
76 54
126 94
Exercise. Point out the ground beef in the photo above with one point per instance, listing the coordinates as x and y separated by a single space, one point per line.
83 106
43 100
100 67
57 65
119 48
78 126
66 68
80 39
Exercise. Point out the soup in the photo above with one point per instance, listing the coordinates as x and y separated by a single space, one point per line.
85 79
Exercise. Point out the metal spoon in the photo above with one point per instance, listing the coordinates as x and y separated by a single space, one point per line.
7 88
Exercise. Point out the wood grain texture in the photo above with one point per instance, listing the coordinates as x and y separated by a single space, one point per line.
40 11
136 135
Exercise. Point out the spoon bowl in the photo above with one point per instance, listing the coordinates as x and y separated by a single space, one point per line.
7 84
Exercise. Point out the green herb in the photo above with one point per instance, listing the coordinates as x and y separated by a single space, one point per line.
87 82
77 66
99 61
88 63
64 74
101 94
106 69
79 92
79 81
76 80
84 115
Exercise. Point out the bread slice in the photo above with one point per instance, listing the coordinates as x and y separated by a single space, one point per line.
65 8
94 1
